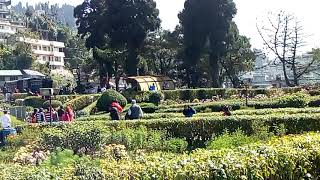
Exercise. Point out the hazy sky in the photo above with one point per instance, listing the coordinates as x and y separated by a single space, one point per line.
248 12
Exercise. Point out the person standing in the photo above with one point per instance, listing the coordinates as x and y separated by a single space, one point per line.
135 111
60 113
6 127
48 115
40 116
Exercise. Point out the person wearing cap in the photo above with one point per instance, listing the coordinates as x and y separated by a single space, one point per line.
135 111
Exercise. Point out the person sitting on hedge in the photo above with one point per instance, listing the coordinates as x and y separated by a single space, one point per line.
116 105
189 111
114 113
60 113
34 116
135 111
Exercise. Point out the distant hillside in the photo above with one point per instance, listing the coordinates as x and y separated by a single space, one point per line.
63 14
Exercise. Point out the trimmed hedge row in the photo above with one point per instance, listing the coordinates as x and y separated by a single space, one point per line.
289 157
257 112
200 129
83 101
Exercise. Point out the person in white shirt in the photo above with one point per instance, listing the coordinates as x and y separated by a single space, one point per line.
5 120
6 128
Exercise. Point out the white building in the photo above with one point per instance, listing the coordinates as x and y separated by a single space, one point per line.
7 26
47 52
268 73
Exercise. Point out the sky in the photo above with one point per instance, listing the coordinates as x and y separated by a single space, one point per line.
249 12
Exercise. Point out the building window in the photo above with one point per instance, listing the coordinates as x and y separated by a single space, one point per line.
13 78
60 49
35 47
45 48
40 48
2 78
44 58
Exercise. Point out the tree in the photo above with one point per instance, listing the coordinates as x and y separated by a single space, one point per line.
160 53
283 35
205 23
239 58
122 24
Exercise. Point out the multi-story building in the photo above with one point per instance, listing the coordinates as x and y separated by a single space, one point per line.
8 27
268 73
51 52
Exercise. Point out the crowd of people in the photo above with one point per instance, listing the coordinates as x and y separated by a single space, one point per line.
52 115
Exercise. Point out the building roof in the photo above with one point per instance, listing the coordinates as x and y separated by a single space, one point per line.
41 42
33 73
144 82
10 73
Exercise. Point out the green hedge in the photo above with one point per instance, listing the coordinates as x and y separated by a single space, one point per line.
34 101
288 157
108 97
54 104
16 96
81 102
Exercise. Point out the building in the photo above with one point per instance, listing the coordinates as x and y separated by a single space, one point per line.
13 75
8 26
270 74
51 52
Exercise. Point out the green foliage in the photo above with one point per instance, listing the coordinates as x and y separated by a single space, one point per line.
297 100
19 96
141 17
231 140
18 102
54 104
156 97
62 78
86 139
108 97
82 101
34 101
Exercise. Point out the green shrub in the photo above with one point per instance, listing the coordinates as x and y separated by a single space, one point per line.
54 103
34 101
149 109
19 102
156 97
89 110
297 100
16 96
86 139
231 140
81 102
108 97
65 98
176 145
314 92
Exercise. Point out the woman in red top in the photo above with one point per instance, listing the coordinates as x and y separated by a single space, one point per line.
68 115
117 105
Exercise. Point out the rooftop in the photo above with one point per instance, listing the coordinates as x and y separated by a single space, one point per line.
10 73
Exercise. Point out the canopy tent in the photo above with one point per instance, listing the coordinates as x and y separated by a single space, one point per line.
143 83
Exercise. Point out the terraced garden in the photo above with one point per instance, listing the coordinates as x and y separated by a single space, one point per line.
274 137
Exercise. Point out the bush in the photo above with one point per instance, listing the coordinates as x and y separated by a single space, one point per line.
108 97
314 92
54 103
297 100
19 102
81 102
156 97
16 96
231 140
34 101
86 139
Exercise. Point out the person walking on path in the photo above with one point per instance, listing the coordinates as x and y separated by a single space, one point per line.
135 111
